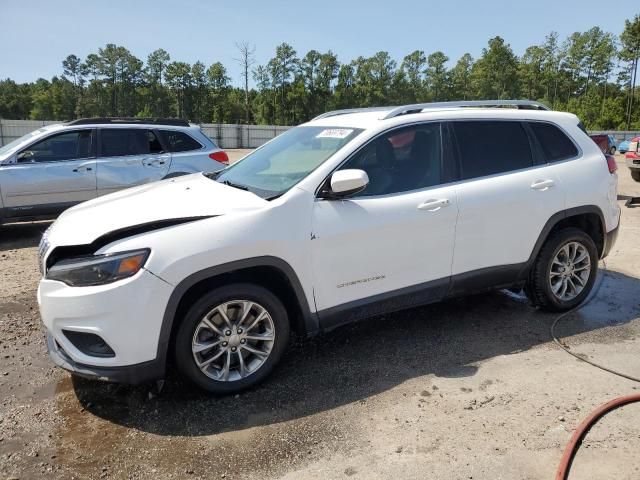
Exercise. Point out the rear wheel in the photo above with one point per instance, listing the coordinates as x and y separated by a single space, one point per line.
232 338
635 174
564 271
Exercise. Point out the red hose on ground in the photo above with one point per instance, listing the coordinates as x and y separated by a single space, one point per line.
577 437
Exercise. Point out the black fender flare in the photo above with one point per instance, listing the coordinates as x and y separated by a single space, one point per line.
309 318
552 222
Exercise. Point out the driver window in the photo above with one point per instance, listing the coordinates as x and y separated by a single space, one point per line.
65 146
401 160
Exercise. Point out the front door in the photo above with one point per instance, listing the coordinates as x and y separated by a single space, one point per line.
50 175
393 242
129 157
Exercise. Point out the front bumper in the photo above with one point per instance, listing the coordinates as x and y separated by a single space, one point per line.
633 163
126 314
130 374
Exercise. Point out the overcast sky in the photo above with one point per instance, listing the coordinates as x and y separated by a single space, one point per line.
36 35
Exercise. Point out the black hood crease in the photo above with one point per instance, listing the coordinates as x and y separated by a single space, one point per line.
66 252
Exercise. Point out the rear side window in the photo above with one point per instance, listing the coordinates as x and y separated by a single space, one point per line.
179 141
120 142
491 147
555 144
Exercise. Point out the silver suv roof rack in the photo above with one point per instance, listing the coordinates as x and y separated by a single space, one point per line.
419 107
175 122
333 113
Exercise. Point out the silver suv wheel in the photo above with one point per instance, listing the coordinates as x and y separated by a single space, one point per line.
569 271
233 340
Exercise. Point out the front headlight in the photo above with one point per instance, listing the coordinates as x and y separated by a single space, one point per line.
98 269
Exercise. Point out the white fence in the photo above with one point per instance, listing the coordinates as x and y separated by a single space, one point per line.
224 135
241 136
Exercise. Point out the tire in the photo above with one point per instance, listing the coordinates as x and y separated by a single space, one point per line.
612 150
539 288
635 174
194 334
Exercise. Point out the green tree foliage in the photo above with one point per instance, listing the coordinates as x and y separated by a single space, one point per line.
156 97
630 53
218 83
495 74
436 75
460 78
591 73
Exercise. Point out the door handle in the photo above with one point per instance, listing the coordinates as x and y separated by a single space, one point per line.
82 169
153 162
433 204
542 185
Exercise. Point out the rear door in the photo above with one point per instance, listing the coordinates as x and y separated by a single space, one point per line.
505 197
50 175
128 157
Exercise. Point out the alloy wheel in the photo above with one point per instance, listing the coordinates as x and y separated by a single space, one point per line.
233 340
570 271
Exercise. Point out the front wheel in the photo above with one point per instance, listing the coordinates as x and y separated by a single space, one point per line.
564 271
231 338
635 174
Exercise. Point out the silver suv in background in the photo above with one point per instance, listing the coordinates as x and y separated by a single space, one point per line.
58 166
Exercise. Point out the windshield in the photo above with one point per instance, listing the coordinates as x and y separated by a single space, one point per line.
280 164
11 145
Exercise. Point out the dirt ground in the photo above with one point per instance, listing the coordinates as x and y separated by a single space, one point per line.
468 389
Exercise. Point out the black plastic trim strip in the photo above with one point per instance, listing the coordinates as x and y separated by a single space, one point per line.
409 297
476 281
130 374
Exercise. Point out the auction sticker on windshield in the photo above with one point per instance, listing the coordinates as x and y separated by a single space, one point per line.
335 133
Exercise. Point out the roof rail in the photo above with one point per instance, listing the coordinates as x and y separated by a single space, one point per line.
333 113
175 122
418 107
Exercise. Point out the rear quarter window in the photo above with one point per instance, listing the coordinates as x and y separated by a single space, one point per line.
179 141
555 144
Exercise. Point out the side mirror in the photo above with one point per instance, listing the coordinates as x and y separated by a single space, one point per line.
348 182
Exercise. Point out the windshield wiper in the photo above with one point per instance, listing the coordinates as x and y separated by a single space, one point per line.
235 185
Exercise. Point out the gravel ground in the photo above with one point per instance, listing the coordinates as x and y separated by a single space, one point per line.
472 388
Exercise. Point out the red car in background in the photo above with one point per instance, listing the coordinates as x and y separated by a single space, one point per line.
633 158
607 143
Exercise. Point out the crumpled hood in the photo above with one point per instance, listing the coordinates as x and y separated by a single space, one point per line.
178 198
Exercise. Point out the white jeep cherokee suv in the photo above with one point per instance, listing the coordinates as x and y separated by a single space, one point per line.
353 214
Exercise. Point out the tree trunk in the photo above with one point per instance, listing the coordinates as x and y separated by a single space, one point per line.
246 94
634 75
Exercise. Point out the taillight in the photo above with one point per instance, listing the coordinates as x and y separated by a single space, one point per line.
220 156
611 163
